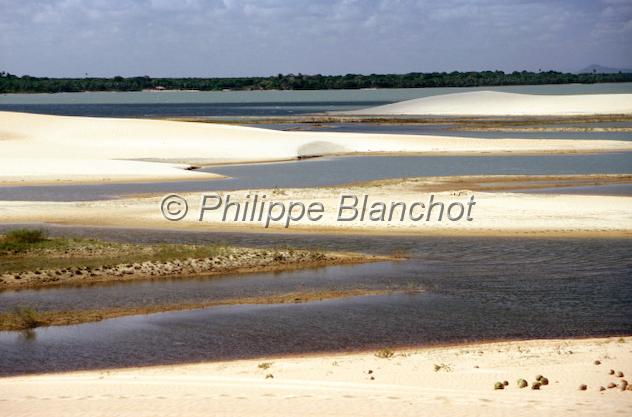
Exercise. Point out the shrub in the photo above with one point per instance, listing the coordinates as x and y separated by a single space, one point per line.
25 236
385 353
21 239
27 317
264 365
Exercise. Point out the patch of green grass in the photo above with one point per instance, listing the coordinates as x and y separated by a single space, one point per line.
20 240
26 236
29 250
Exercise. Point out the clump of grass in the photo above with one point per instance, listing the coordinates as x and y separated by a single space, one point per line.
27 317
264 365
385 353
20 240
278 191
442 366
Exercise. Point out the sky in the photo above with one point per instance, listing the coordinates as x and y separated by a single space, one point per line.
209 38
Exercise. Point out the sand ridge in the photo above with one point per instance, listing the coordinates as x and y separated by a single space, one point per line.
496 103
37 149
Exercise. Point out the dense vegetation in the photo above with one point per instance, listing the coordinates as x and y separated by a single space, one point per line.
26 84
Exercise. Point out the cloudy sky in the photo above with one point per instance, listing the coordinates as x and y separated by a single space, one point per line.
265 37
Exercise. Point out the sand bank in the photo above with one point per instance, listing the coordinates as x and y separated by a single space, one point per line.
17 321
43 149
496 103
228 260
494 212
358 384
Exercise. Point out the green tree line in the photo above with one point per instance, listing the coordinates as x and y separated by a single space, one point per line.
10 83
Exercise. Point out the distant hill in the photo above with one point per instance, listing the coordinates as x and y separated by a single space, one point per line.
599 69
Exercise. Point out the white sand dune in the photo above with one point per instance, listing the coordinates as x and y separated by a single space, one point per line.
64 170
495 103
341 385
42 148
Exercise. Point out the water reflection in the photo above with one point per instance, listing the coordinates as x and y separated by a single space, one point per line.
475 288
333 171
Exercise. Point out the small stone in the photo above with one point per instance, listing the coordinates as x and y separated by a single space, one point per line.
583 387
544 381
499 385
522 383
620 374
505 383
538 377
370 371
602 388
597 362
536 385
372 378
612 385
611 372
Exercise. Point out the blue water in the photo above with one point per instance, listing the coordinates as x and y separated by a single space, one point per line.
472 289
252 103
333 171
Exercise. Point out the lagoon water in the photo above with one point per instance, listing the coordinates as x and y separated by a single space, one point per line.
473 289
252 103
334 171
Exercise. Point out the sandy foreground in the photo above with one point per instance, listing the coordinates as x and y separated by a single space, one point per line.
340 384
49 149
496 103
492 213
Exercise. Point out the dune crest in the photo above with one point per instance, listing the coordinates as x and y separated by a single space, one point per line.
43 149
496 103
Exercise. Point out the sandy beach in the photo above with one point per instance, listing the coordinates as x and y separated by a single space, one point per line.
340 208
41 149
442 381
494 213
496 103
